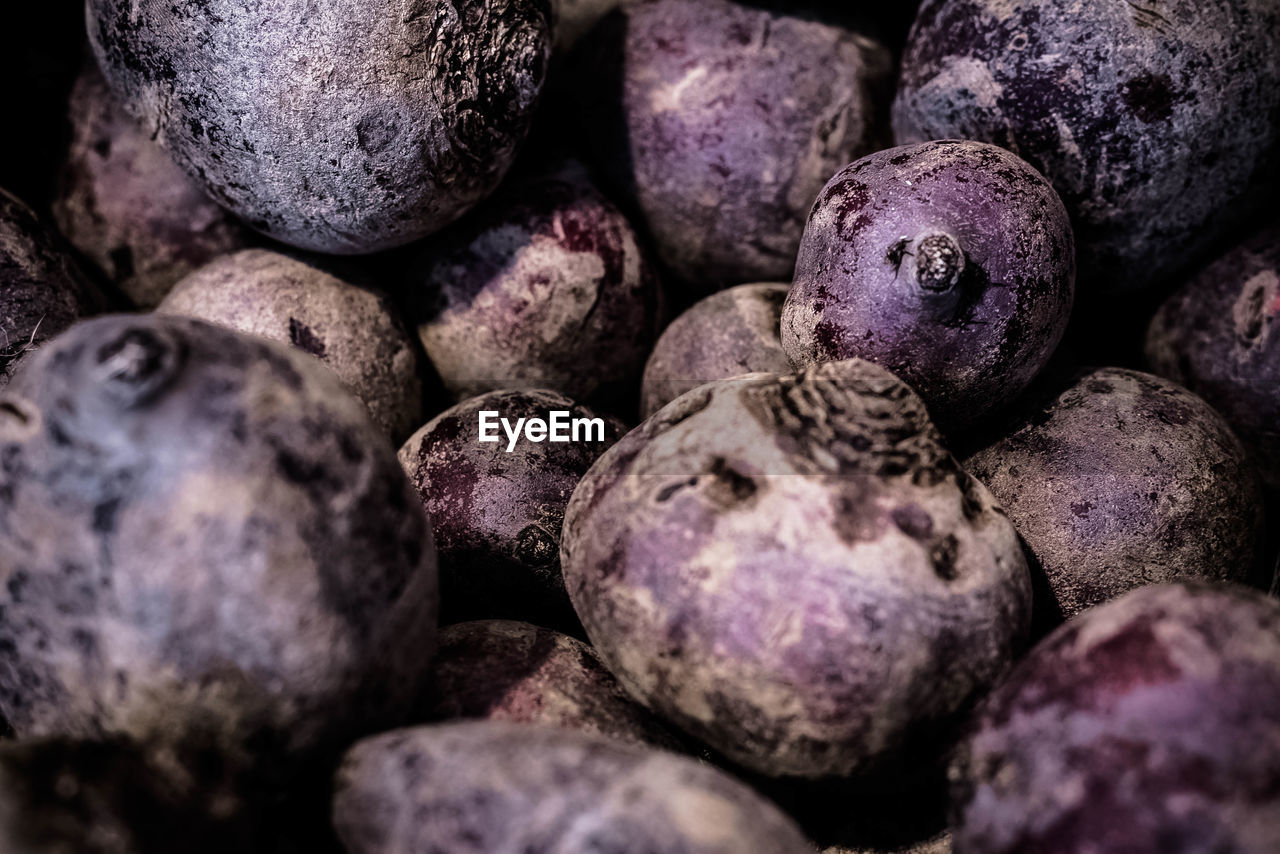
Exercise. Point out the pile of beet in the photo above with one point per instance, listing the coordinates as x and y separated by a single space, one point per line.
640 427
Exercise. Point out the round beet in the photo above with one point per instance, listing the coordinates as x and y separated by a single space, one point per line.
728 334
796 572
498 670
355 331
482 787
1218 336
203 529
548 289
1121 481
41 293
1149 725
950 263
497 507
346 128
1157 123
127 207
722 121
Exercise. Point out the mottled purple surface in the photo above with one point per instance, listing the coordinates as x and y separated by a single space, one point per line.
338 127
490 788
1121 481
728 334
40 292
1150 725
1219 337
496 515
546 288
722 121
202 530
949 263
127 207
501 670
795 571
1157 122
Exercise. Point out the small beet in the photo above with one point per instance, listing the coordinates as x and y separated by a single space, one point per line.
950 263
497 513
499 670
795 571
1157 122
721 121
728 334
491 788
1149 725
127 207
1218 336
1125 480
353 330
547 288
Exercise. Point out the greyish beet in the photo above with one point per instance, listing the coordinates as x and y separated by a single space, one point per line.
811 625
127 207
41 293
950 263
1157 123
490 788
1149 725
203 528
348 130
728 334
353 330
1121 481
500 670
497 513
722 121
1218 336
547 288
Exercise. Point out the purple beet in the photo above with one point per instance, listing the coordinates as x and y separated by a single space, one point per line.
1150 725
1218 336
950 263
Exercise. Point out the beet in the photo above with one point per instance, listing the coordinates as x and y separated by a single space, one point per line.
497 513
1120 481
1149 724
794 570
1157 123
546 288
949 263
728 334
1218 336
721 121
354 330
477 788
346 129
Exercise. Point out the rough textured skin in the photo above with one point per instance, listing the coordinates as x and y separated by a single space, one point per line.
1150 725
355 331
728 334
937 845
337 127
499 670
201 528
1157 122
1219 337
127 207
1121 481
795 571
115 797
723 121
496 515
949 263
547 289
489 788
40 292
